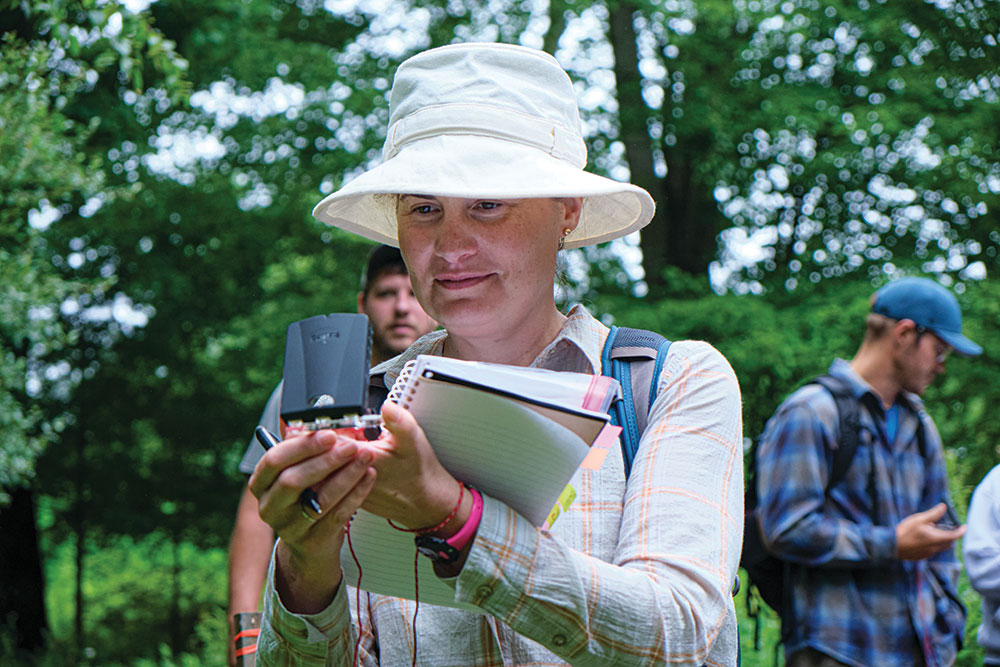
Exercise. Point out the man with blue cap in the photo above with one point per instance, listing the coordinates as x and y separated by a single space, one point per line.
871 572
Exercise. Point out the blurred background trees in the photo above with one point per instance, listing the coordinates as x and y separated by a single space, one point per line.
159 161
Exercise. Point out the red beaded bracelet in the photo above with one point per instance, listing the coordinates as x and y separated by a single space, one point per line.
432 529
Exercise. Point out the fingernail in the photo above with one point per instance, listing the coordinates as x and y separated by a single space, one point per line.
366 456
389 412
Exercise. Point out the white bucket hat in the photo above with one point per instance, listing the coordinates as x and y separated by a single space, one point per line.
485 120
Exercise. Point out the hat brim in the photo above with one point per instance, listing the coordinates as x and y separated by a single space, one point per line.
471 166
960 343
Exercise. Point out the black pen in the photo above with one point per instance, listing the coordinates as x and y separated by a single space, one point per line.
268 440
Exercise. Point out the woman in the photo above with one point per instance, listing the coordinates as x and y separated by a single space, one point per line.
481 184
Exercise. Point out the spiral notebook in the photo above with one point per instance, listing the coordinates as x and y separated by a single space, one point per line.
517 434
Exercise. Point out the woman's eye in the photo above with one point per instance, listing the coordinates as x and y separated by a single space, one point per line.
423 209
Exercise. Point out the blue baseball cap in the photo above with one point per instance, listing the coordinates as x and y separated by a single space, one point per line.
929 305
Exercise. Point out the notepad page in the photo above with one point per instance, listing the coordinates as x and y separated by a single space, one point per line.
502 448
386 557
506 450
559 388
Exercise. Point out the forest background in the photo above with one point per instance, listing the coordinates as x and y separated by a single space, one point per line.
159 161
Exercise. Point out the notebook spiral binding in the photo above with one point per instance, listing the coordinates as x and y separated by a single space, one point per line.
401 383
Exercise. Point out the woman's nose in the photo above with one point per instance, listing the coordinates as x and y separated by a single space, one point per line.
456 236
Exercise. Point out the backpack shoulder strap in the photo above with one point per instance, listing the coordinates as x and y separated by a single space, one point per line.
922 418
849 425
634 357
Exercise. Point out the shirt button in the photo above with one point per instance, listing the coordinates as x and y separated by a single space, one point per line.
559 640
484 592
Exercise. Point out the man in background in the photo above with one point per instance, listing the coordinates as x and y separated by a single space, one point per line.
871 570
397 320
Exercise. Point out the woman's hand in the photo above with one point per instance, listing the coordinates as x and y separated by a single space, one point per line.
413 488
308 553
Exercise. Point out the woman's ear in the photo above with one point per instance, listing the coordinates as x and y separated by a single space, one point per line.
571 208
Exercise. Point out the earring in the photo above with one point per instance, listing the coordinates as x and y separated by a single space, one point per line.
562 239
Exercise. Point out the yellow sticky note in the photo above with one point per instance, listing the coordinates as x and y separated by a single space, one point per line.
567 497
563 502
553 515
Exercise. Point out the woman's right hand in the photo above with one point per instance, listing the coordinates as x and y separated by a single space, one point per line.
307 568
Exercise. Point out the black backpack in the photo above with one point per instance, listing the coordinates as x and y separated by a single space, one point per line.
767 572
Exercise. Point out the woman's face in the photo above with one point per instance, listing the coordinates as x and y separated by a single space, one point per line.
481 265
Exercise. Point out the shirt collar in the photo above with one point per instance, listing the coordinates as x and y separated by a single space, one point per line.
842 368
577 346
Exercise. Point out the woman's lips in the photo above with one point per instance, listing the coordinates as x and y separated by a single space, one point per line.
458 282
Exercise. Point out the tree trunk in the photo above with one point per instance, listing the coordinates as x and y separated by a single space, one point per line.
557 23
79 528
632 117
22 588
175 598
683 230
689 241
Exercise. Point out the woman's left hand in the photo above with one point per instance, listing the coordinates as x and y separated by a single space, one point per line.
412 488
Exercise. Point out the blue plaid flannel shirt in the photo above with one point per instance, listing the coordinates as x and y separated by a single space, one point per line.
852 598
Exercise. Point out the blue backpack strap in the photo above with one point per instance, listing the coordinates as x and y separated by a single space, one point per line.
634 357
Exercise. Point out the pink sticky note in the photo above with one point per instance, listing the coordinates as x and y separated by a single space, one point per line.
607 437
595 458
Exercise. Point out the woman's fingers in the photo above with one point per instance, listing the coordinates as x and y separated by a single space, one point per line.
401 436
413 488
340 496
308 472
336 489
289 452
323 461
346 504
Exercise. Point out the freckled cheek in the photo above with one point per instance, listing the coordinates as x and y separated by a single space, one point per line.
413 249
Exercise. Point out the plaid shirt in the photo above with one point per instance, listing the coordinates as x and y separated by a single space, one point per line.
852 598
632 574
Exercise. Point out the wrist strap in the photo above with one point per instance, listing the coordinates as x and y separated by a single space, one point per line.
444 522
462 537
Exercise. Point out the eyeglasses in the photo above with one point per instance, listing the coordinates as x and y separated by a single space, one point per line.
942 348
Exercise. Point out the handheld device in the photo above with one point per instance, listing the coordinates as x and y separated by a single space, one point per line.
325 379
949 521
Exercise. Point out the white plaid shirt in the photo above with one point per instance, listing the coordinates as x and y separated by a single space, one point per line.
632 574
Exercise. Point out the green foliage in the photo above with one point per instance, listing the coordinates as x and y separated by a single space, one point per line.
773 344
872 145
144 597
43 161
839 137
49 171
